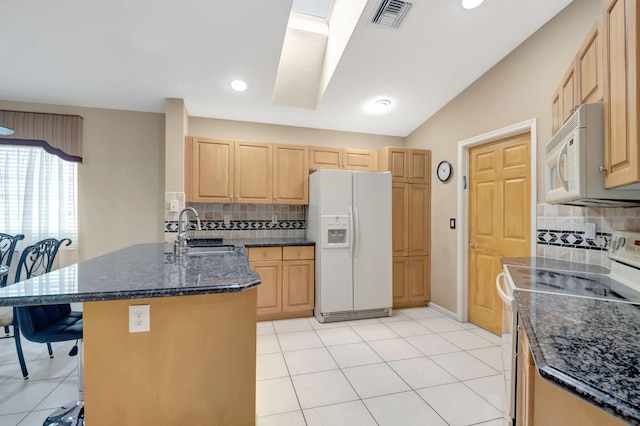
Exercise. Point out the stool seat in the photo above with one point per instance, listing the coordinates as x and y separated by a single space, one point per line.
49 323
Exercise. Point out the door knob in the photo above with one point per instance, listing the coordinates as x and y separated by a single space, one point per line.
472 244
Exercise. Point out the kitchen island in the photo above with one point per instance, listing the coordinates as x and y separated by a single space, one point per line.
197 363
587 347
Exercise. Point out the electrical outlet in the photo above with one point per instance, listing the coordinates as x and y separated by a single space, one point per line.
274 219
173 206
589 230
227 219
139 318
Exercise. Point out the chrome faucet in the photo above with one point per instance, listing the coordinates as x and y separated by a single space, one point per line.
180 245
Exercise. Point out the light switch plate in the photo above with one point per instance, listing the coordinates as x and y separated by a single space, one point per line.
139 318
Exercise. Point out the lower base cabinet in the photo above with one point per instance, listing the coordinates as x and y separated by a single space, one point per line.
287 275
542 403
411 281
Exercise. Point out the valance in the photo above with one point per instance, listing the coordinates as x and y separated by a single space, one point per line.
58 134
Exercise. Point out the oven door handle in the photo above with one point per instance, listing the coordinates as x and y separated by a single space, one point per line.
503 294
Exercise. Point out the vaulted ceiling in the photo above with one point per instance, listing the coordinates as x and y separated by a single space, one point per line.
133 54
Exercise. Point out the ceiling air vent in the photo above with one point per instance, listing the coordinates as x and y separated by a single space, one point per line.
391 13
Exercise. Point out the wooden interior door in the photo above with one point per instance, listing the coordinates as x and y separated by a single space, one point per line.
499 220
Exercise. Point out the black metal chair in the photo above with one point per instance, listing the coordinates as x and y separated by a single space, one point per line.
51 323
35 260
7 248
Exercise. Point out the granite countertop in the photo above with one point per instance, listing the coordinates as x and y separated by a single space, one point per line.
588 347
139 271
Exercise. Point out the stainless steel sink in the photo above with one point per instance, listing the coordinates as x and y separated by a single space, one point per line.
205 251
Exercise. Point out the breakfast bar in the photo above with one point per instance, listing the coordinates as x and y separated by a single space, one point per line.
195 365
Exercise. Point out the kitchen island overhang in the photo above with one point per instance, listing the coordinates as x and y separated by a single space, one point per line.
197 363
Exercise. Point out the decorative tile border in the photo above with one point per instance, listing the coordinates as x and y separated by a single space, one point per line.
240 225
573 239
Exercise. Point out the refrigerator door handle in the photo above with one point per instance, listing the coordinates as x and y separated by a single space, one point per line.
356 235
351 237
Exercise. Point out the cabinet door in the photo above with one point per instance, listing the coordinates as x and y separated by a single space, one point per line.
253 173
298 252
418 278
419 219
556 115
589 68
290 174
620 93
400 218
396 160
400 281
212 171
270 289
568 100
525 382
297 285
325 157
359 159
419 166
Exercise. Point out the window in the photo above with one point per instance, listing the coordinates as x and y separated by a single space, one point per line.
38 194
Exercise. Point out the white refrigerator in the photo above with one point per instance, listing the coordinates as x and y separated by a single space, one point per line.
349 218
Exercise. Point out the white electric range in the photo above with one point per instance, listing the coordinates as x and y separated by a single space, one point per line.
619 284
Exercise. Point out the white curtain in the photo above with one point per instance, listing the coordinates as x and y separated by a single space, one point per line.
37 194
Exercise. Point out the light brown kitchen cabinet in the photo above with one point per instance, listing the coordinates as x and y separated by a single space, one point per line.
287 275
411 281
568 95
541 403
253 173
341 159
589 69
556 115
621 89
524 382
411 235
405 164
583 82
218 171
209 170
290 174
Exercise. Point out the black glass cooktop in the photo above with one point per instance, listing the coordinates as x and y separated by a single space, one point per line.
572 283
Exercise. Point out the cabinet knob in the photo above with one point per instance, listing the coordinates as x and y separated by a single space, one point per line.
472 244
265 254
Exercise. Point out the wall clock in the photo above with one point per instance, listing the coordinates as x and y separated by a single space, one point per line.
445 169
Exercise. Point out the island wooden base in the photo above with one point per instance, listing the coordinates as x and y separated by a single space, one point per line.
197 365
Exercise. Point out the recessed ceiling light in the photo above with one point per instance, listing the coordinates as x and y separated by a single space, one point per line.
471 4
238 85
379 107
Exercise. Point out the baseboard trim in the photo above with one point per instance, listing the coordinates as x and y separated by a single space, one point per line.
443 311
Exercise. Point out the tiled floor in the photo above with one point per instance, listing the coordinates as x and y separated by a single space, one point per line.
415 368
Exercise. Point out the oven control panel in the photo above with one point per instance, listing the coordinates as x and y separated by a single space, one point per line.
625 247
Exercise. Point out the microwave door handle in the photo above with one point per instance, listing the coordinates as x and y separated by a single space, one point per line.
565 183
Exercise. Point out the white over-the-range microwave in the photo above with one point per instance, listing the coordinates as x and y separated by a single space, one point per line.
574 164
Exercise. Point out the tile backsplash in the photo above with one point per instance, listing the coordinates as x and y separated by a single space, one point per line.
560 231
243 220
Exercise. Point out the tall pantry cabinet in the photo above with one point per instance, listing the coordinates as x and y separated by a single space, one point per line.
411 216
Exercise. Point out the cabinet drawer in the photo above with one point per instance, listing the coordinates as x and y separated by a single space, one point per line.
257 254
297 252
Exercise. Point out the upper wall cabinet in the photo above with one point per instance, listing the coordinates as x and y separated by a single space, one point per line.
290 174
253 173
582 82
341 159
621 89
218 171
405 165
589 68
209 170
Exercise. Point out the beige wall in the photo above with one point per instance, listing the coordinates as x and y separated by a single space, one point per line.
121 180
241 130
516 89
